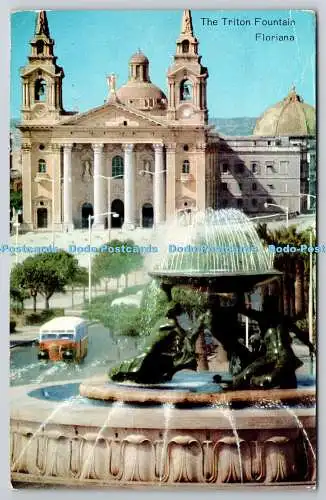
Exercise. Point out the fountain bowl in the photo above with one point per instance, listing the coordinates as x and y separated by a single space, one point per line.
217 281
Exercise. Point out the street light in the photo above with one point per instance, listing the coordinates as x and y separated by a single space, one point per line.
187 210
90 217
308 196
283 208
158 195
37 179
16 224
109 189
143 172
258 217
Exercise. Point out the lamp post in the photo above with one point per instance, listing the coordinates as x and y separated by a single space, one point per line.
266 216
16 225
90 217
309 196
158 200
186 210
109 179
283 208
143 172
52 182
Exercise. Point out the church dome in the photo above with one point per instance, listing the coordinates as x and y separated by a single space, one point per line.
138 58
139 92
289 117
142 95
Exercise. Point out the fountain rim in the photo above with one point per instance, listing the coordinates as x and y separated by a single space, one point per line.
158 273
216 281
135 393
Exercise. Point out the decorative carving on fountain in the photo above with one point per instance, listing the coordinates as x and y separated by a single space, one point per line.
137 459
179 458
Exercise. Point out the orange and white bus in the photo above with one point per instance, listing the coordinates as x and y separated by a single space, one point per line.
63 339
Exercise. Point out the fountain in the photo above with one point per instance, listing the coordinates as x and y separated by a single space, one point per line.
155 419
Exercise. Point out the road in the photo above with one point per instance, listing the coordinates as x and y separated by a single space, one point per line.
103 351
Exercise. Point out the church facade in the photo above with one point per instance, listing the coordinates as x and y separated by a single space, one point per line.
143 156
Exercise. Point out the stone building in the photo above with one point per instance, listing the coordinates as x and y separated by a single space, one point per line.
145 155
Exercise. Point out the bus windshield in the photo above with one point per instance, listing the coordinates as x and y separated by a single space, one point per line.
66 336
60 334
48 336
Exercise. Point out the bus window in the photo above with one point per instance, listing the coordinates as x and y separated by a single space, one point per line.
66 336
48 336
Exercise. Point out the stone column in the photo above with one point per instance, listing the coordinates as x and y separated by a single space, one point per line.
56 186
129 187
27 181
99 186
201 176
67 188
159 186
25 95
170 180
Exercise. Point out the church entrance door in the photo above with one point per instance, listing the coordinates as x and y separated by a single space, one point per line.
117 206
86 211
42 218
147 215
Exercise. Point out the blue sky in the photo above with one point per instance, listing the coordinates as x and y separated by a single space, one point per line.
245 76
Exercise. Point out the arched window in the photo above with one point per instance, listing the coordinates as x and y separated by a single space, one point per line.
39 47
185 90
117 166
40 89
186 167
185 47
42 166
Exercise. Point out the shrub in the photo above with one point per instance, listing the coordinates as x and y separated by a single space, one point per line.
41 317
122 320
98 309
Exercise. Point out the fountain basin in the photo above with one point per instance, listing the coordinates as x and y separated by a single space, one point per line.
77 441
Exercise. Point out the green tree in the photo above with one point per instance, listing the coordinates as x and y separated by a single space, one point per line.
17 294
45 274
108 265
78 279
16 200
26 276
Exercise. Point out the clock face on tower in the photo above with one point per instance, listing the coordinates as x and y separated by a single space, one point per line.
39 110
187 112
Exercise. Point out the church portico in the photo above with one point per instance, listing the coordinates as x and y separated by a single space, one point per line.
97 173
